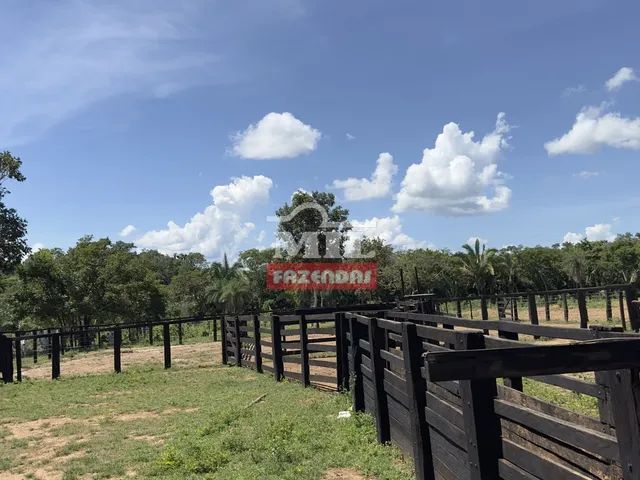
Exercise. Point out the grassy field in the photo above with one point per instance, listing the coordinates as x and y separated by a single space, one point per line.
185 423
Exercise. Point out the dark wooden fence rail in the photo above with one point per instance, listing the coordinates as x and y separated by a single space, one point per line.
457 422
57 342
535 306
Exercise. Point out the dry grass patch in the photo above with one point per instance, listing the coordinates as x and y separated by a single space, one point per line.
343 474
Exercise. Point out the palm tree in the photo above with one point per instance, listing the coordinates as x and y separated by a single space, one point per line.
478 264
230 287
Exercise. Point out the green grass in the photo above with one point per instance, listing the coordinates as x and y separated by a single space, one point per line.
187 423
576 402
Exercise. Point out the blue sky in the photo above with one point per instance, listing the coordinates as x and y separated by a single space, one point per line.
132 113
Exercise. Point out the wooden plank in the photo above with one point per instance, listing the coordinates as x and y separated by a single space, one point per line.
446 428
541 467
18 350
624 386
316 347
435 333
377 342
481 425
588 440
342 352
258 344
55 356
395 360
455 458
166 339
117 343
317 378
276 349
571 383
508 471
451 412
582 309
567 454
357 331
520 398
304 351
532 361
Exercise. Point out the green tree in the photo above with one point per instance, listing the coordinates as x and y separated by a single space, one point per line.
477 263
13 228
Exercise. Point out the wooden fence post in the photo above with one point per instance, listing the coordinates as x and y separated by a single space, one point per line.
402 282
416 388
215 329
55 355
621 306
304 351
482 426
458 309
276 348
257 341
166 338
357 331
547 310
342 359
582 308
624 386
117 346
608 308
634 314
565 307
237 335
150 333
223 327
512 382
376 343
49 340
533 309
35 348
6 359
18 349
514 303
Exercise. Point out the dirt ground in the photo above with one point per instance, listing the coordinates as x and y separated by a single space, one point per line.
192 355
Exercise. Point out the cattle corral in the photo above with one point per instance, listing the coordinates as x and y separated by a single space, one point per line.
460 397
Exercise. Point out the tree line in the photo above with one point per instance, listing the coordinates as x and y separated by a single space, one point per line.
98 281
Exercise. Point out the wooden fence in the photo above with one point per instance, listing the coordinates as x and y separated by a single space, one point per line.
59 341
430 382
609 303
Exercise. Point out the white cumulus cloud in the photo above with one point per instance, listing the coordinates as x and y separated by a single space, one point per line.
593 233
388 229
378 186
128 230
458 176
622 76
276 135
221 227
593 129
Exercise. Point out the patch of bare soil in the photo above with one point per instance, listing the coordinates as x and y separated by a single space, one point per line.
41 458
192 355
343 474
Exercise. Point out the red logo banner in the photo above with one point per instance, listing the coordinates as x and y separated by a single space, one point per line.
322 276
